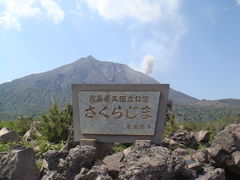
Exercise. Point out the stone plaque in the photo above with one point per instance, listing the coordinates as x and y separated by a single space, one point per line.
119 113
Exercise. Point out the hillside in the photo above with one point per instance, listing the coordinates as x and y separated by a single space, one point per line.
34 93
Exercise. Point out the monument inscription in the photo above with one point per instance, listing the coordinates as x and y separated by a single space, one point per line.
119 112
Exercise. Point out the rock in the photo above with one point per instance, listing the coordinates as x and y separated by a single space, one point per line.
52 159
181 152
66 165
225 148
216 174
52 175
202 136
151 162
18 165
201 155
70 140
80 156
97 172
113 163
127 151
229 138
196 166
185 138
236 157
8 136
32 131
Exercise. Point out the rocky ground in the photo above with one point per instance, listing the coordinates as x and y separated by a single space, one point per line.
179 158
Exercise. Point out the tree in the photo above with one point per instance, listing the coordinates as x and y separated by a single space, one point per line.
56 123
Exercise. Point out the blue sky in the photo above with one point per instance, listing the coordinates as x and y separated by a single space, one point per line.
192 45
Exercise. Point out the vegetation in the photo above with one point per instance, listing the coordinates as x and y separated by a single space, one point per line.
54 130
20 125
215 126
193 113
55 125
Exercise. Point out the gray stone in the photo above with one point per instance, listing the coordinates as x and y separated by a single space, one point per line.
201 155
80 156
202 136
52 159
151 162
181 152
225 149
196 166
64 164
18 165
97 173
113 162
185 138
216 174
53 175
8 136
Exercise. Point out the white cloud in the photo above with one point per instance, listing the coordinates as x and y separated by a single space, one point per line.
238 2
140 10
12 12
54 12
156 28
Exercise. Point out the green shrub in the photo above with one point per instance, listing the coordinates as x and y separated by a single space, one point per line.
56 124
45 146
20 125
171 125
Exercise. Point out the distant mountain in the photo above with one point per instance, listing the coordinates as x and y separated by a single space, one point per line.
34 93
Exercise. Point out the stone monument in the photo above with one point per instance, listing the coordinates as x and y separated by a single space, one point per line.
123 113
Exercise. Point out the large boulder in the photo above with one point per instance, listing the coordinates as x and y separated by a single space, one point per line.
8 136
66 165
225 149
145 162
18 165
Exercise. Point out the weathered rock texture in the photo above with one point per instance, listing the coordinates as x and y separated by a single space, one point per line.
64 165
225 149
202 136
182 139
18 165
8 136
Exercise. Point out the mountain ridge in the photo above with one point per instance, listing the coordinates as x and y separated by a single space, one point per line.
32 94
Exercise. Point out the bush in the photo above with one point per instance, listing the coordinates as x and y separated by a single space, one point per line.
56 124
20 125
171 125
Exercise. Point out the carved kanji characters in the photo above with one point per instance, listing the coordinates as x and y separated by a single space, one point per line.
107 98
114 98
92 98
103 113
130 99
145 112
122 98
90 112
145 98
99 98
130 114
137 98
117 113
